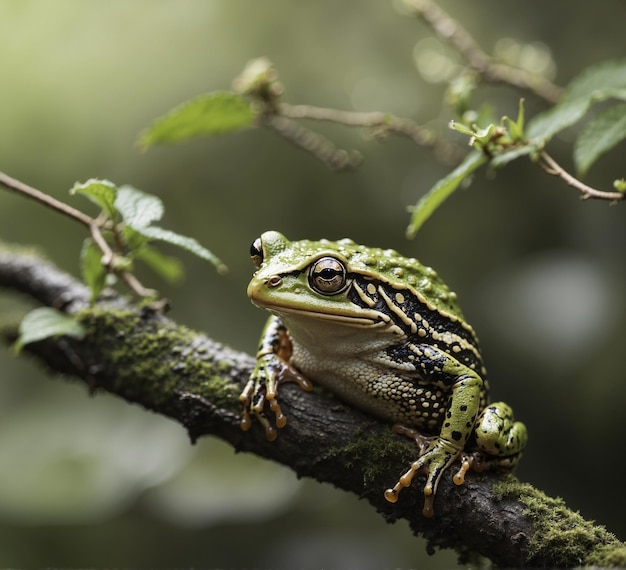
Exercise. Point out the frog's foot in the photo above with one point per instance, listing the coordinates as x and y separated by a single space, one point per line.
439 455
499 436
270 372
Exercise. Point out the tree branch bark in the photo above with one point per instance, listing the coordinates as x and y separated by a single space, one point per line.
146 358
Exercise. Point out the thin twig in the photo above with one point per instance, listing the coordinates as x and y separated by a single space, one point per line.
549 165
319 146
384 122
449 30
46 200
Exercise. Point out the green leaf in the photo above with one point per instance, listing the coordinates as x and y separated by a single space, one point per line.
100 192
599 136
597 83
93 272
516 128
461 128
210 114
46 322
138 209
444 188
545 125
190 244
168 267
512 154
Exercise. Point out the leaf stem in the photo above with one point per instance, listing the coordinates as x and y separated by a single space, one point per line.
549 165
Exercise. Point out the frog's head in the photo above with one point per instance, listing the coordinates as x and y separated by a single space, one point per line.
306 279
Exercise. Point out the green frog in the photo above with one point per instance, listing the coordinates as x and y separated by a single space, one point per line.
386 335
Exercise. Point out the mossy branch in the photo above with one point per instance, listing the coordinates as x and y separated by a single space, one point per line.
140 355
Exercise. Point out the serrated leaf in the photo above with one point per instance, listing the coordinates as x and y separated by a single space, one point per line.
596 83
100 192
138 209
547 124
93 272
444 188
599 136
600 81
210 114
190 244
46 322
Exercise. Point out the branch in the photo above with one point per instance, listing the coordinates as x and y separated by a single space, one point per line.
451 31
381 123
143 357
551 166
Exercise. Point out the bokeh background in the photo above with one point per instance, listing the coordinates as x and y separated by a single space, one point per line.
92 481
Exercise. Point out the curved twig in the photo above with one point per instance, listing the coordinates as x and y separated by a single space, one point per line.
549 165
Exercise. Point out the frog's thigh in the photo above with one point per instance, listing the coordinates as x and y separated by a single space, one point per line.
497 433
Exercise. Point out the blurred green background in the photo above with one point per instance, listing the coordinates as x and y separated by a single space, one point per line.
92 481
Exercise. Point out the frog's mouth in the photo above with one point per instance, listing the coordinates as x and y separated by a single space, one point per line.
364 319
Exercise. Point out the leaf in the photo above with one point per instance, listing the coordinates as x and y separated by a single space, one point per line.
600 82
597 83
100 192
190 244
94 274
599 136
545 125
512 154
210 114
461 128
168 267
516 128
138 209
444 188
46 322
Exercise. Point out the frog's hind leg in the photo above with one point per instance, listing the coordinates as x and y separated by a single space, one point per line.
500 441
497 432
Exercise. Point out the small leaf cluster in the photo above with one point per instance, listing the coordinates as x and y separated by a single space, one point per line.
498 144
124 234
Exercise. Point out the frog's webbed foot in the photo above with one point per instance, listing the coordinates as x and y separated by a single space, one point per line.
269 373
436 455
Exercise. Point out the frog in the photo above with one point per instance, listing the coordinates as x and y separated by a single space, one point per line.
384 334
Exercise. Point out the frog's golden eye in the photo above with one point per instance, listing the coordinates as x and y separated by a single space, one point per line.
328 276
256 252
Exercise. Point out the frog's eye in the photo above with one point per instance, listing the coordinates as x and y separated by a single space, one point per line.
328 276
256 252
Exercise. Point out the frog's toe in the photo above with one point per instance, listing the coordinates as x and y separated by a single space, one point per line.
433 463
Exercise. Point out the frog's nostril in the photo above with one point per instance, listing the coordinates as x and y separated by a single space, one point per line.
274 281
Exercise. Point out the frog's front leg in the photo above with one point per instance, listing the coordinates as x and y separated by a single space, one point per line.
465 386
272 369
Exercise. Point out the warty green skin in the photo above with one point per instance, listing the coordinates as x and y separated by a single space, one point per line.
385 334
